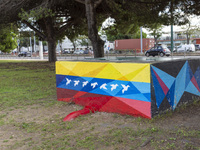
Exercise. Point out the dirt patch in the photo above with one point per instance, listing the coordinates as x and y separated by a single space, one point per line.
99 123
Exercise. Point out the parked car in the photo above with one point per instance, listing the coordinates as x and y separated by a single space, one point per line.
160 50
186 47
197 47
78 52
45 52
86 51
66 51
24 54
174 48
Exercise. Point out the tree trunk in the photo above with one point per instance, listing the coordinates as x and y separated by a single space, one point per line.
156 41
74 45
188 38
97 43
52 50
51 39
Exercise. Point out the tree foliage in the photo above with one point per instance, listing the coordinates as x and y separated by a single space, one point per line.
113 34
82 14
7 38
84 41
189 29
54 21
155 30
11 8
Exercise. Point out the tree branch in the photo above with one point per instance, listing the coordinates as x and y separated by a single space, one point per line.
80 1
63 28
34 29
97 3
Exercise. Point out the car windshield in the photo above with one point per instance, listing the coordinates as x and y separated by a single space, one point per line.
152 48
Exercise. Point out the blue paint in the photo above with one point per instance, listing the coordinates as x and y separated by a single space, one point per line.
165 77
158 89
125 89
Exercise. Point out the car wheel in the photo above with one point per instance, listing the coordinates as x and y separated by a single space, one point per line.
147 54
161 54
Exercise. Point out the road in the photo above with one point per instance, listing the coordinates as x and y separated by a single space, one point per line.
107 57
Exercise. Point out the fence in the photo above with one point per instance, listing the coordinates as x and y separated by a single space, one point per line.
107 56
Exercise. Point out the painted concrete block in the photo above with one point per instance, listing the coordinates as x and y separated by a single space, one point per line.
137 89
174 83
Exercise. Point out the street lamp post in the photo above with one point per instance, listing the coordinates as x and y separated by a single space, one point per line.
172 41
30 44
34 43
141 38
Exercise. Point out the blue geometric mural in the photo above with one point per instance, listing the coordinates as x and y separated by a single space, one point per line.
173 88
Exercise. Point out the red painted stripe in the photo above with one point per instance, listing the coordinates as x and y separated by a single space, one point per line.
194 81
106 103
162 84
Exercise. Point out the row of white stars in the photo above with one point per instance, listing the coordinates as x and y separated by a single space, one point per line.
103 86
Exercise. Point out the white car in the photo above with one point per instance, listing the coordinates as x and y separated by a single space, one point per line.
186 48
78 52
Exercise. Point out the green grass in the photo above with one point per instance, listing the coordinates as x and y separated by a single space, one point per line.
30 87
22 86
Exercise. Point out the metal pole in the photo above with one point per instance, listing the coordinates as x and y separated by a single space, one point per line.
141 38
30 46
172 42
41 50
34 43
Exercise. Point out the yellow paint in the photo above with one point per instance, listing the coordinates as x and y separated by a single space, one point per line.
65 67
138 72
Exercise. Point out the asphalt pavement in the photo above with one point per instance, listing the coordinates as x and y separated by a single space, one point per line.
106 58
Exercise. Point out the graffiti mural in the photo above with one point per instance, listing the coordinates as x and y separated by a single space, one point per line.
172 89
137 89
111 87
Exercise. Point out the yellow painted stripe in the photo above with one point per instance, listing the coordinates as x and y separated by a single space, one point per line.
138 72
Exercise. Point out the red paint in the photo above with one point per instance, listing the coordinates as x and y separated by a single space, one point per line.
75 114
194 81
162 84
103 103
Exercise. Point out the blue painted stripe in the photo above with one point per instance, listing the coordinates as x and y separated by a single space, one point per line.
116 88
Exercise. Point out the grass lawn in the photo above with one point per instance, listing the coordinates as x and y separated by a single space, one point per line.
31 118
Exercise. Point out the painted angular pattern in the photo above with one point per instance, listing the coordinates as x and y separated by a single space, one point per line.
137 89
173 88
111 87
116 88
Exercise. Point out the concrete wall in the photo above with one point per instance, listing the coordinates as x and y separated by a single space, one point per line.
174 83
137 89
111 87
